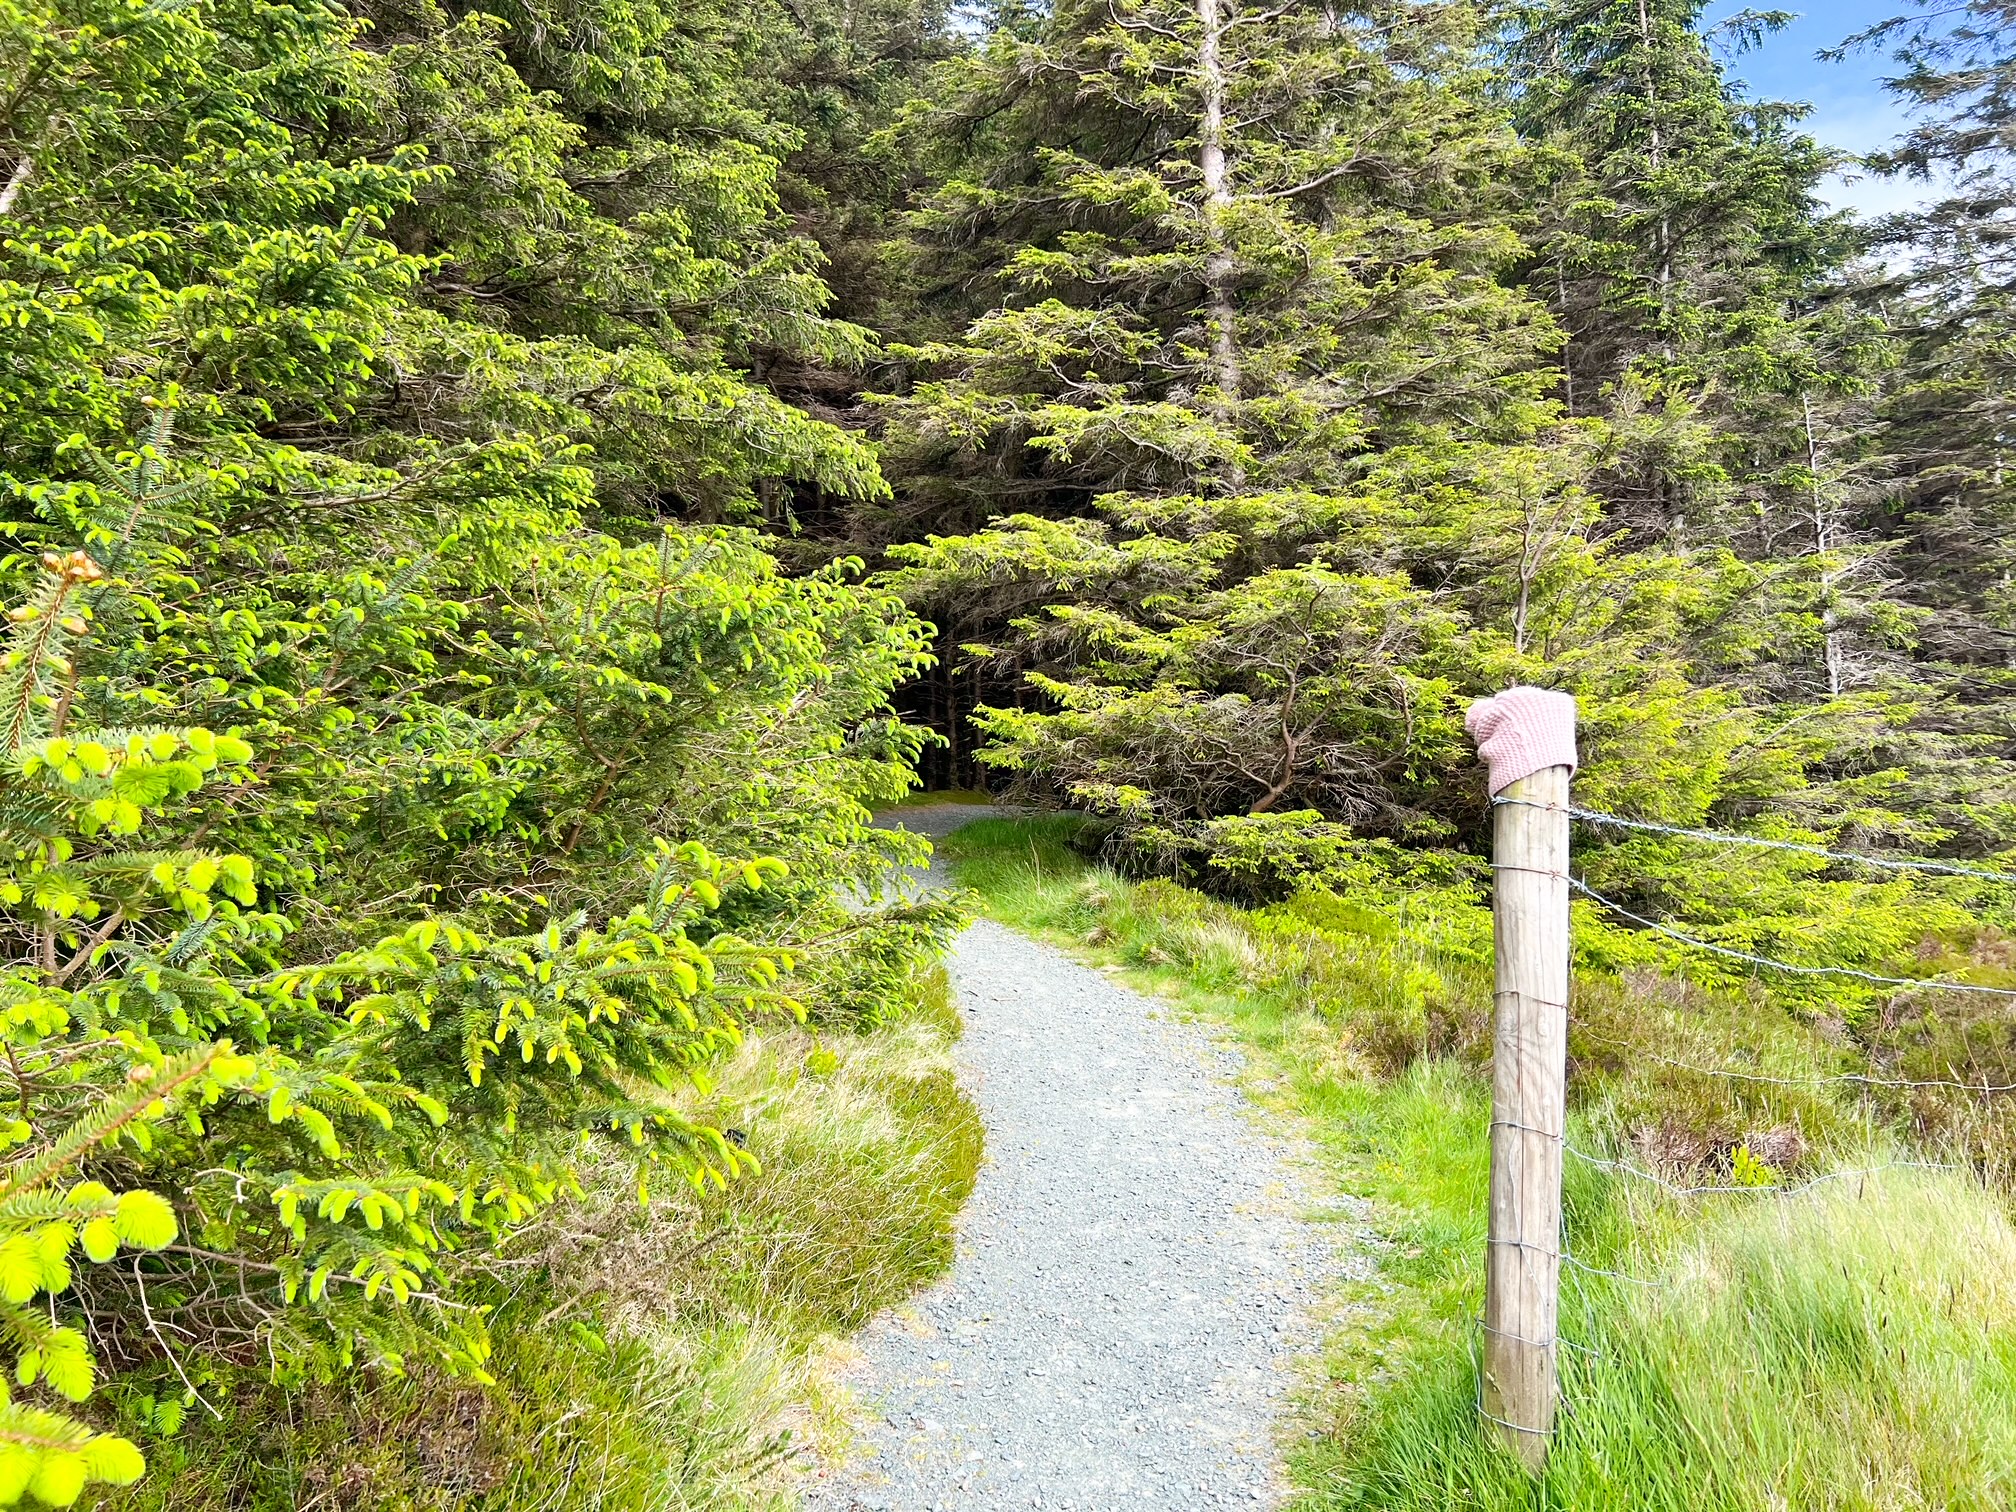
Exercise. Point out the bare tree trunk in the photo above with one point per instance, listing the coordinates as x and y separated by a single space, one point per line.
1567 332
1522 609
1654 158
20 176
1220 268
1823 541
954 768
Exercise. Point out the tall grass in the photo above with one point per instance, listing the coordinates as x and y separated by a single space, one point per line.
1853 1347
1849 1347
660 1358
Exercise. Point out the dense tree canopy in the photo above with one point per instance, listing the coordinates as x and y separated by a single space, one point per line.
414 770
1331 377
481 482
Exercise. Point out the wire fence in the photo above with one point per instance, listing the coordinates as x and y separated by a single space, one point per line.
1585 1272
1762 842
1984 1087
1753 958
1913 864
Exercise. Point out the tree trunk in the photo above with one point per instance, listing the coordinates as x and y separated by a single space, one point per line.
1220 268
1830 620
1567 333
1654 159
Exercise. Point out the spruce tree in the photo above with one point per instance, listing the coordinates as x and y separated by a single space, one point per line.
1948 292
1259 455
1677 237
1706 297
1246 261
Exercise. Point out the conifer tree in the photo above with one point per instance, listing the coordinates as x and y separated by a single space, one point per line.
1677 238
1948 291
1247 268
1932 434
1704 293
471 834
1260 455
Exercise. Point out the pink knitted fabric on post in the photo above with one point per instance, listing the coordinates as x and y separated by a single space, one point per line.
1522 731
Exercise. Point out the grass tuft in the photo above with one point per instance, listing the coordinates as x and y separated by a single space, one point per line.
1849 1348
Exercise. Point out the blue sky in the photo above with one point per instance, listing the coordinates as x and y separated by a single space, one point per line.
1851 108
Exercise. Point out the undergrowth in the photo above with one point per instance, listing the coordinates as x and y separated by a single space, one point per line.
942 798
659 1357
1846 1346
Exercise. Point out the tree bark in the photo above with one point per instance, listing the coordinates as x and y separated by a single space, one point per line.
1830 619
1654 160
23 170
1221 271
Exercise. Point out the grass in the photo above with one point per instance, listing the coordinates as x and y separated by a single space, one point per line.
941 797
661 1359
1849 1347
1845 1349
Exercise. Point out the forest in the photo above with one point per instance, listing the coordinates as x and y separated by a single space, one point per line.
498 497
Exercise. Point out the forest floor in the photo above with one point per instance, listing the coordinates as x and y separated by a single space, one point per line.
1137 1270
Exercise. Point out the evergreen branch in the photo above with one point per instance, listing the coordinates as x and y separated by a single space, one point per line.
105 1121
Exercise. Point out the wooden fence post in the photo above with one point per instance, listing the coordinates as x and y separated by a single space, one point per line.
1528 1104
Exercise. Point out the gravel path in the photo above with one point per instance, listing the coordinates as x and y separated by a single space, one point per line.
1133 1272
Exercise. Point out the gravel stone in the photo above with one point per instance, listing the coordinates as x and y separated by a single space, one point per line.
1134 1271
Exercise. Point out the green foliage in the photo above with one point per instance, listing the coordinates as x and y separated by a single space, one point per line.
410 1102
419 777
379 1135
1839 1344
1258 292
668 1355
1788 1350
389 855
1290 463
1346 367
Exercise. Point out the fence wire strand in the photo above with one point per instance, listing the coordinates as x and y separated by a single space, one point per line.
1983 1088
1626 1168
1576 1263
1570 1262
1759 842
1775 964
